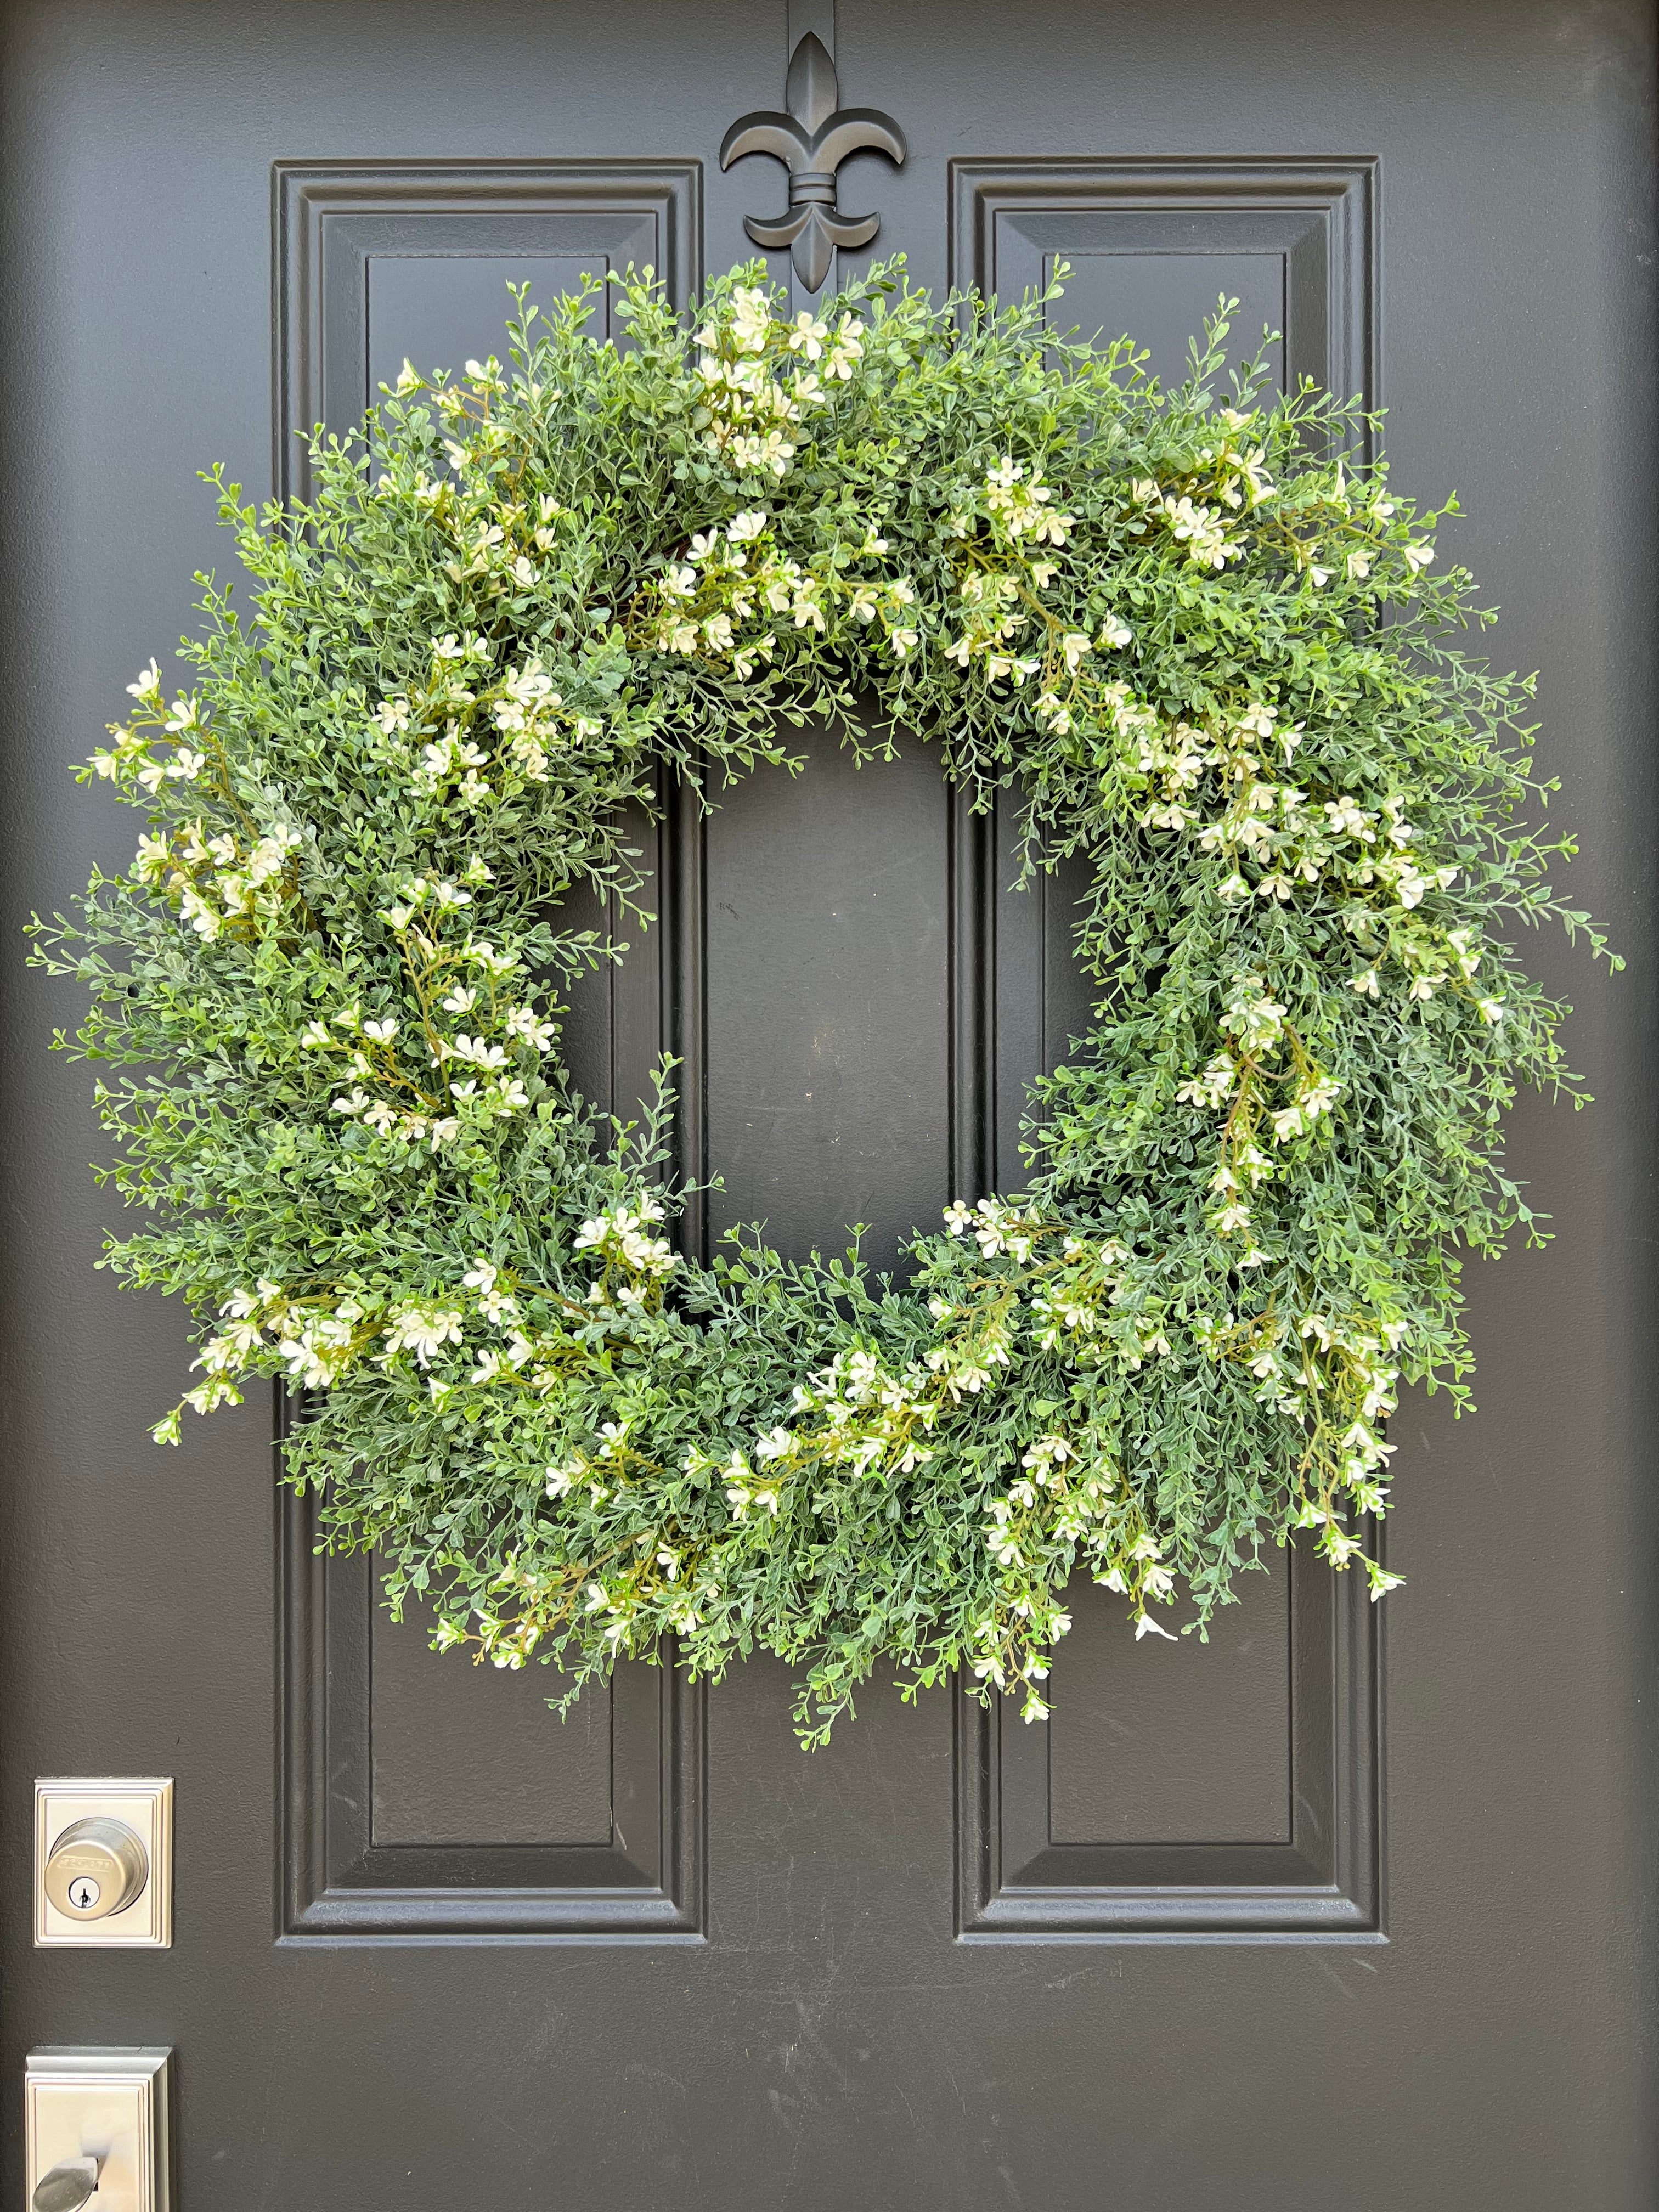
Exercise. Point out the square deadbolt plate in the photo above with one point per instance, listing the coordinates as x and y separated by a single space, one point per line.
111 2106
145 1806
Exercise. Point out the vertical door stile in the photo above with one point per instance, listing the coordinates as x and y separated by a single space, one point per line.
682 954
973 1129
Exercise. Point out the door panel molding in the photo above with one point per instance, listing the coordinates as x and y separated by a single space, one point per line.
329 218
644 1883
333 221
1316 219
1009 219
1014 1882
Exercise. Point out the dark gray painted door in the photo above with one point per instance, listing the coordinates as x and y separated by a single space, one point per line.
1344 1911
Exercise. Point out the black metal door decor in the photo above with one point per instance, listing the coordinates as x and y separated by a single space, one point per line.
812 141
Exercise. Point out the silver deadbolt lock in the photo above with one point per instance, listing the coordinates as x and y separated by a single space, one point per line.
95 1868
103 1861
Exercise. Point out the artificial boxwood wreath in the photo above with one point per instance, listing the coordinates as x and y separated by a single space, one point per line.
1204 645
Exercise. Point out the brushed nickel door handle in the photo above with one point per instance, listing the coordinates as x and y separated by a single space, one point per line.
70 2184
96 2129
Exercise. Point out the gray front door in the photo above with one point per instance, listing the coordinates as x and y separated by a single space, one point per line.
1352 1908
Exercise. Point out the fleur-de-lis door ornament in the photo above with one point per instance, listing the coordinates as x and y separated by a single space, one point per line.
813 140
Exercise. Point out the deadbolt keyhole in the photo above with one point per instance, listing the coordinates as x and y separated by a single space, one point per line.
95 1868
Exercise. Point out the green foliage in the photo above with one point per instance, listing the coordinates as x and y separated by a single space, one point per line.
1202 643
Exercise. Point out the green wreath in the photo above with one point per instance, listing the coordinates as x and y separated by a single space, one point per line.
1201 642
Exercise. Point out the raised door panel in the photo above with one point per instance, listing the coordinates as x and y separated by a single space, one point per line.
1231 1794
1150 244
1231 1791
422 1797
462 1755
1183 1745
826 1059
417 1803
337 224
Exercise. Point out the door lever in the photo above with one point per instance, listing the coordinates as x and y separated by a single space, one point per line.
96 2130
70 2184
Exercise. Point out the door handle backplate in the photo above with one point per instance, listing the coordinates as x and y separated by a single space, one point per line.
108 2109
